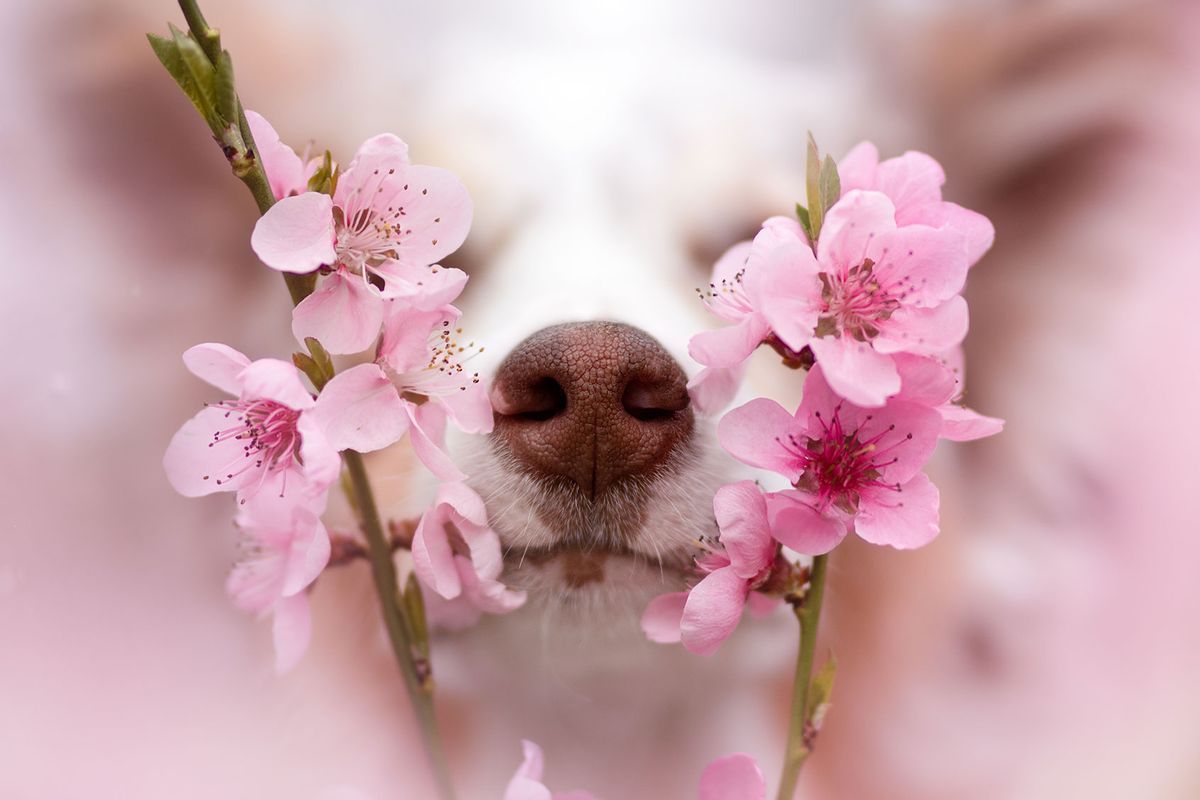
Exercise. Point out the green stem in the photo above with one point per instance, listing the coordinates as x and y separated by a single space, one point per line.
808 613
405 648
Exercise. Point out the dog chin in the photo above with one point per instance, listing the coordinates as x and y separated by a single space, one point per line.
635 540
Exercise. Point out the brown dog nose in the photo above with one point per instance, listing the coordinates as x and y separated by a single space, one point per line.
592 402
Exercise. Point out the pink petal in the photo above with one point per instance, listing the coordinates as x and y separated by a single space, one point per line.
713 609
924 380
904 519
433 558
851 226
382 151
321 462
469 408
760 605
526 782
912 180
217 364
714 388
781 281
857 168
291 631
663 616
307 556
427 431
438 214
360 410
927 331
465 501
961 424
725 273
855 370
735 777
752 434
189 457
800 527
925 265
741 513
296 234
343 314
976 229
406 335
285 170
486 593
272 379
731 345
423 287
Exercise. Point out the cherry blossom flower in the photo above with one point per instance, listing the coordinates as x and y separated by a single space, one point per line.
417 383
379 236
935 382
456 554
704 616
913 182
285 548
856 466
879 289
735 777
263 442
526 783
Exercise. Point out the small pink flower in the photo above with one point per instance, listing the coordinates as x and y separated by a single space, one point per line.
913 182
704 616
735 777
872 289
526 783
415 385
379 236
285 548
456 554
263 442
856 466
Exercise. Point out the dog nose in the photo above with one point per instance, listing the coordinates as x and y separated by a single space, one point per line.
591 402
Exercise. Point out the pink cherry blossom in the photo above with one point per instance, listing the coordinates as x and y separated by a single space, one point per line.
704 616
735 777
855 466
285 547
378 237
879 290
416 385
526 783
263 442
935 382
913 182
456 554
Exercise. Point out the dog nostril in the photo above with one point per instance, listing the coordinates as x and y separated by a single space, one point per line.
654 401
542 400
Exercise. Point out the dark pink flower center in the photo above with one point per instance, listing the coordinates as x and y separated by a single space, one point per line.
839 464
267 433
855 303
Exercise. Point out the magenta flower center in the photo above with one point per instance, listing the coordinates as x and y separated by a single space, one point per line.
370 229
266 431
839 464
855 303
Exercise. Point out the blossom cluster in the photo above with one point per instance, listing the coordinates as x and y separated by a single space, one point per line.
372 234
870 303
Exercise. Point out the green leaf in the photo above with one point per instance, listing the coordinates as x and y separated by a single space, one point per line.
309 368
320 357
831 183
170 57
227 99
324 179
204 77
812 183
802 215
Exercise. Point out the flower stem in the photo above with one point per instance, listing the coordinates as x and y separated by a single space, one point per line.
400 630
799 741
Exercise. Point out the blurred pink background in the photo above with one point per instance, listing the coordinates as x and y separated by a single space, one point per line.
1045 647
